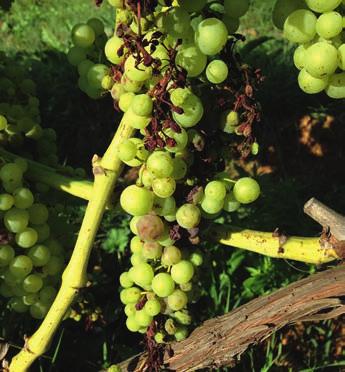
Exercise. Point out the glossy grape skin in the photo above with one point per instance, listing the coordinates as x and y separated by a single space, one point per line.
163 284
182 272
246 190
21 266
136 201
300 26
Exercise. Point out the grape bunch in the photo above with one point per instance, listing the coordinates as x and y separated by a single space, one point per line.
31 260
318 26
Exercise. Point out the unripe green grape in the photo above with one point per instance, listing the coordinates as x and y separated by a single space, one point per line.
171 255
196 258
130 310
164 206
47 294
20 266
39 310
329 25
10 278
137 73
300 26
231 204
142 274
310 84
232 24
22 164
136 121
147 177
152 307
39 254
83 35
177 300
181 333
182 272
188 216
6 255
163 285
215 190
111 50
16 220
283 8
299 56
160 164
193 111
16 304
75 55
107 82
6 202
32 283
142 105
186 287
43 232
127 150
84 67
176 22
132 324
336 87
96 74
181 139
11 173
341 55
18 289
142 318
136 245
54 266
165 239
322 6
236 8
217 71
130 295
150 227
133 224
211 36
3 122
38 214
130 85
125 280
163 187
211 205
321 59
179 169
136 201
97 25
182 317
152 250
179 96
246 190
27 237
30 299
23 198
137 259
191 59
125 101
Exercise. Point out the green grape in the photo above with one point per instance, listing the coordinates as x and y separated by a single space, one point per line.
137 259
300 26
97 25
130 295
165 239
142 274
232 24
310 84
6 202
38 214
182 317
125 101
152 307
150 227
181 333
163 187
125 280
54 266
191 59
111 49
127 150
182 272
215 190
136 121
142 318
130 310
6 255
130 85
23 198
133 224
83 36
321 59
136 201
16 304
329 25
16 220
39 255
3 122
84 67
188 216
163 285
341 53
142 105
246 190
283 8
181 139
137 73
39 310
20 266
176 22
322 6
95 75
236 8
22 164
107 82
18 289
336 87
11 173
147 177
192 6
171 255
193 111
180 169
6 290
211 36
170 327
132 324
177 300
211 205
27 237
120 4
186 287
47 294
136 245
43 232
196 258
164 206
152 250
299 57
179 96
217 71
30 299
231 204
10 278
75 55
160 164
32 283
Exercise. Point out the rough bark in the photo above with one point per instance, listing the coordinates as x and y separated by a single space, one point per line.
221 341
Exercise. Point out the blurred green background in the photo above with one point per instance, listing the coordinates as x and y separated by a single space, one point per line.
302 155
